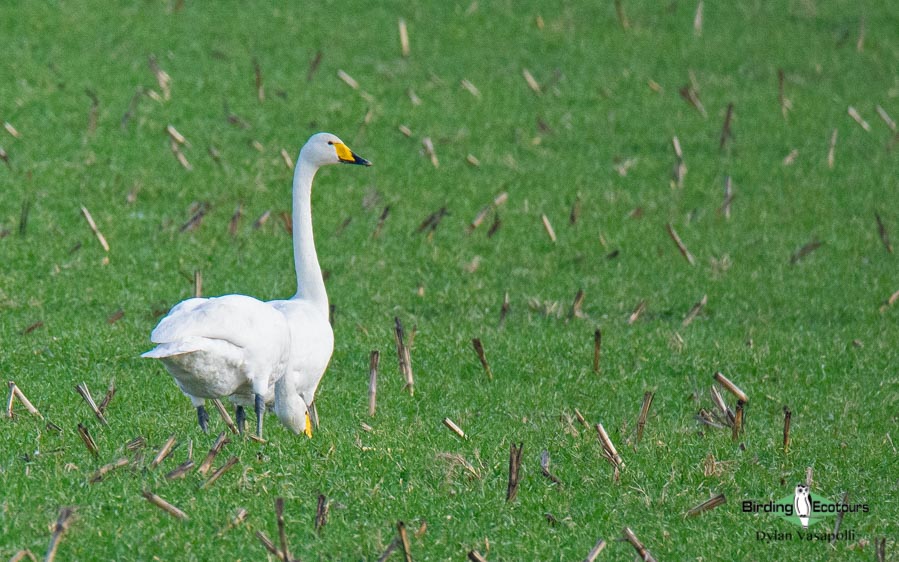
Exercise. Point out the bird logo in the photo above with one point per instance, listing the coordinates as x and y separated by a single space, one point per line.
802 504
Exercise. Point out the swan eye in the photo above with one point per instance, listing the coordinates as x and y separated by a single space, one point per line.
330 143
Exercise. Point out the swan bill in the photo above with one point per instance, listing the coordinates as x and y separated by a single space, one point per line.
308 430
347 156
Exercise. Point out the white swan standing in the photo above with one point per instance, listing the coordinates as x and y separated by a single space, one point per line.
232 346
256 352
306 313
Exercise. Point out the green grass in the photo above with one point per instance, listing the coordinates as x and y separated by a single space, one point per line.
801 319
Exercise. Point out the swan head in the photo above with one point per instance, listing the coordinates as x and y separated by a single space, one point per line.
291 409
324 148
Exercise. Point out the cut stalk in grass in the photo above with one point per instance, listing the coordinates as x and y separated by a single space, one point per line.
173 134
804 251
268 544
404 540
544 467
494 228
313 65
880 548
373 361
115 316
163 452
381 219
889 302
260 85
220 442
608 447
347 79
11 400
219 472
644 554
163 80
839 519
479 349
180 157
226 417
707 505
594 552
473 160
20 396
531 81
404 37
504 309
730 387
680 167
832 149
164 505
394 544
321 513
722 407
514 470
858 119
404 356
5 157
59 529
428 145
697 20
432 221
785 104
597 348
453 427
180 471
581 419
882 232
738 421
22 555
680 245
86 395
691 96
470 88
482 214
886 118
235 220
726 128
644 412
728 198
282 531
549 228
638 310
622 17
694 312
136 444
15 133
787 419
808 476
576 311
94 229
476 556
575 212
407 132
107 468
88 440
24 211
238 518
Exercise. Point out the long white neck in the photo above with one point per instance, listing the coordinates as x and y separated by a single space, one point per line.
310 285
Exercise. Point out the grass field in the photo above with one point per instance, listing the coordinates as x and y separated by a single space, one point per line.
816 335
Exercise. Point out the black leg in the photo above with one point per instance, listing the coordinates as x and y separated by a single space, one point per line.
260 409
203 418
241 415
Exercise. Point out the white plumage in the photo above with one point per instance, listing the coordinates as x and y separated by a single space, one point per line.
255 352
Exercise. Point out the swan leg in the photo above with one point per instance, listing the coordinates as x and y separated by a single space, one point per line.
241 416
203 418
260 409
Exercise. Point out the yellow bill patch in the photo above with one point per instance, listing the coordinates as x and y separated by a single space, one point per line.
343 152
308 430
